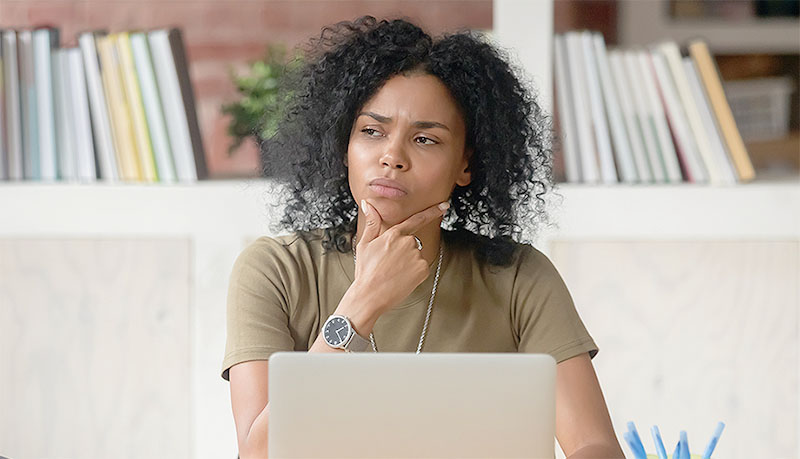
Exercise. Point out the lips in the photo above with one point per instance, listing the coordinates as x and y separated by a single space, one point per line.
387 187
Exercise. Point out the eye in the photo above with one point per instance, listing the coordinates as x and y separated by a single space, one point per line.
433 142
369 131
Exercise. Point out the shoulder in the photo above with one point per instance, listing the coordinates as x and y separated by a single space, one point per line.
281 252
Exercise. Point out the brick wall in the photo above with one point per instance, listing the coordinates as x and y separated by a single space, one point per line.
222 36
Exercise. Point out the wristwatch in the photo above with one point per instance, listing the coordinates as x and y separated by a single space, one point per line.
339 333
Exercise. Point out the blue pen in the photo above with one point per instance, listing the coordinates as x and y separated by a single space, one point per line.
637 454
714 438
685 445
632 429
662 453
677 453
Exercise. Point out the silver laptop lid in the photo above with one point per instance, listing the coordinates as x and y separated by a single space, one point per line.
385 405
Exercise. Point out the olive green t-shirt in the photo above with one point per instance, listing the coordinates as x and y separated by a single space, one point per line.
282 290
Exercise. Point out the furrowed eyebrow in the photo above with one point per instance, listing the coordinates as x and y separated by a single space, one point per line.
420 124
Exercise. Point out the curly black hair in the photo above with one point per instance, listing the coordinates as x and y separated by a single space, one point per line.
336 73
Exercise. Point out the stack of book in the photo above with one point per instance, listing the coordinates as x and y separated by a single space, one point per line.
646 115
118 107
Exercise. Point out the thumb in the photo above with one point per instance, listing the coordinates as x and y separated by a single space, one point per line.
374 221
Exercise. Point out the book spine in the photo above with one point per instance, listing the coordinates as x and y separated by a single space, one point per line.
622 148
79 103
673 56
65 128
44 41
141 133
174 113
590 171
719 153
698 50
152 105
101 122
620 76
30 135
608 171
686 147
566 114
118 109
13 110
189 106
642 110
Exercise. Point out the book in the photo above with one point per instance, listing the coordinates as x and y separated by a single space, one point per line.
566 113
121 124
45 40
719 152
152 107
28 106
643 116
667 156
590 169
103 140
133 95
709 75
622 147
3 148
86 169
608 172
693 168
620 76
11 103
65 127
673 57
172 75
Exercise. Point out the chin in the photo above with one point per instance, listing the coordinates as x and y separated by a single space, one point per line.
391 211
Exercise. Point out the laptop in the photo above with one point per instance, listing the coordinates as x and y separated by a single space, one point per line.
392 405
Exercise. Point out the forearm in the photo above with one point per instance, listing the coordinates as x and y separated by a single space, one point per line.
598 452
363 319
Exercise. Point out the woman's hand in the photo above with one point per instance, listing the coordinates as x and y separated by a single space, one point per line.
389 265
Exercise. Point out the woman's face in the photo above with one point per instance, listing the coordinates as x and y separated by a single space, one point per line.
412 134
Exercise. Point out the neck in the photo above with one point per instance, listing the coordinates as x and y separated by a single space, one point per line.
429 235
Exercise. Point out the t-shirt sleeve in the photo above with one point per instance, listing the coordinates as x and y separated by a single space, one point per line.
257 311
544 313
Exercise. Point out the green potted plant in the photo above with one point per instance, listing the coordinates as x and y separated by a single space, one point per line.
257 112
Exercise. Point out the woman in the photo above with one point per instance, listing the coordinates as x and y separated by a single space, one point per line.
414 164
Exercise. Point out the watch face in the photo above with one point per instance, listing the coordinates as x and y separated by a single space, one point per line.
336 331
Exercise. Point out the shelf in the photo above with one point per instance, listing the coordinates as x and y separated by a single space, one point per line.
773 35
235 208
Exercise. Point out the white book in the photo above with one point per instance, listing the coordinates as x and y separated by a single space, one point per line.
65 128
620 76
101 122
619 134
590 170
13 113
718 148
27 94
3 147
669 158
673 57
172 103
86 170
608 171
151 100
566 115
44 41
642 108
684 141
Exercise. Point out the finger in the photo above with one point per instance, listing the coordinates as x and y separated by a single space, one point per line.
421 218
373 228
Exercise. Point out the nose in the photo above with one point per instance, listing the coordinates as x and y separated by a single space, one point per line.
395 158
